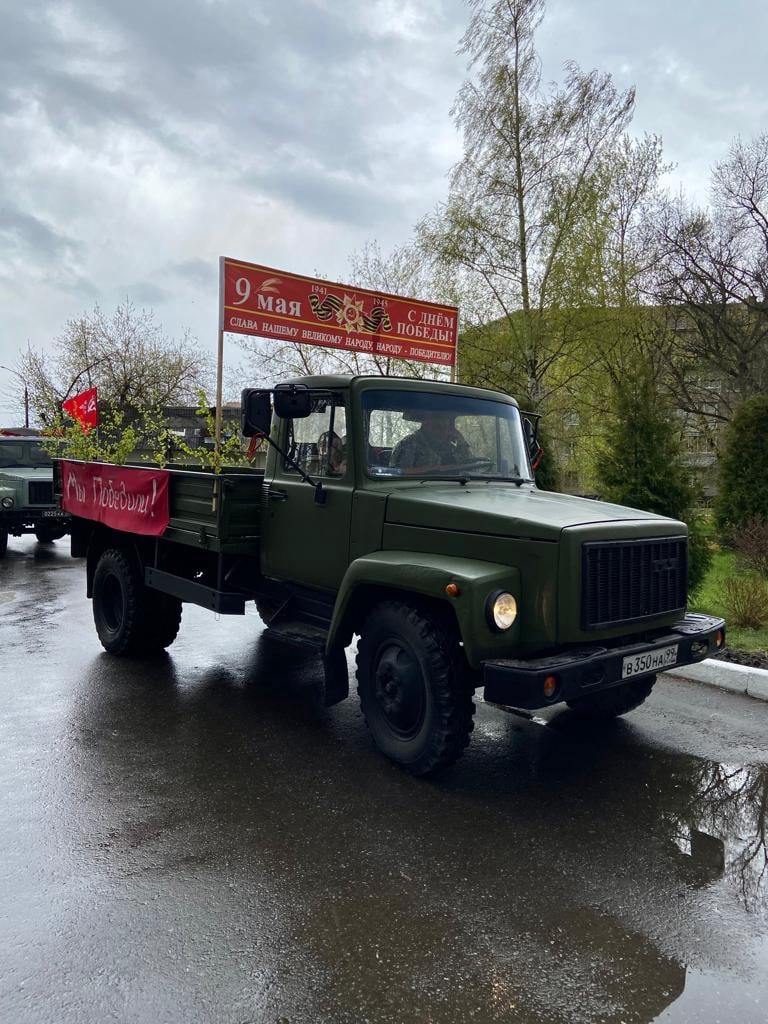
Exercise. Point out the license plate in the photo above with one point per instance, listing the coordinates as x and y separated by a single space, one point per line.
651 661
52 513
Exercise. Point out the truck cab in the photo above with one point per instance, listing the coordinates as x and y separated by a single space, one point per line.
26 491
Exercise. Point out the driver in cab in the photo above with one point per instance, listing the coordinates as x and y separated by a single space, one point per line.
436 444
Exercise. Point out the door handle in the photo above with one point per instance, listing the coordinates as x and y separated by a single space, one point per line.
276 495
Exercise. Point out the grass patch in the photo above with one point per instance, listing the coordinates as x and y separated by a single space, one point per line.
710 599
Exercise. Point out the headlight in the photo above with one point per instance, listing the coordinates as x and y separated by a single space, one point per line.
502 609
7 502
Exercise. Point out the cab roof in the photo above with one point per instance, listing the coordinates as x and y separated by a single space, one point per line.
336 382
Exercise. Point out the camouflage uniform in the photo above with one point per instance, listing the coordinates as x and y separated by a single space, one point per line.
422 449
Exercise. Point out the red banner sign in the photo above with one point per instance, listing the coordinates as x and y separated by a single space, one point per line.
134 500
84 408
309 311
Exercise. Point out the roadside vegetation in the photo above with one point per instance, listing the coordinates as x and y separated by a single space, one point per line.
742 602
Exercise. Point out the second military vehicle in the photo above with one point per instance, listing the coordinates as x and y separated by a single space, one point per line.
26 491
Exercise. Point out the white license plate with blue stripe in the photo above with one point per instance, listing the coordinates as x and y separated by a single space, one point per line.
651 661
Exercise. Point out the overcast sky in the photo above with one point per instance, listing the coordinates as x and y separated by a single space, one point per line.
141 140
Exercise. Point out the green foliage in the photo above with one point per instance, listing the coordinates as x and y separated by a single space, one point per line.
113 441
548 473
710 599
699 549
743 492
231 450
144 437
641 466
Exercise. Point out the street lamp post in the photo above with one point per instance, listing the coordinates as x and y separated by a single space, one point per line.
26 393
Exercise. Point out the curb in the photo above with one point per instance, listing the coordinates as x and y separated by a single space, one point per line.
727 676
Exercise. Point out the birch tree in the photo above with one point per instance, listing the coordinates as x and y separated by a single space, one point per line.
520 192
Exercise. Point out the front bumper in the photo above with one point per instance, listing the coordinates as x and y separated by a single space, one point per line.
27 520
593 667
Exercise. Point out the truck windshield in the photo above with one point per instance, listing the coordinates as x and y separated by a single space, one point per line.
22 453
425 434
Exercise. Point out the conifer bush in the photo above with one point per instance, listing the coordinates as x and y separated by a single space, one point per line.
743 490
641 465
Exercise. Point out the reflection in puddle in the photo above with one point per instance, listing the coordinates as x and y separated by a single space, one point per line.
719 997
731 802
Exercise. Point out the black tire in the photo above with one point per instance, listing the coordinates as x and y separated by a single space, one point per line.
267 608
163 618
48 534
117 602
616 701
129 618
414 688
3 541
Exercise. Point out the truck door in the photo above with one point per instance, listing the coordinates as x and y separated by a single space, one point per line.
304 542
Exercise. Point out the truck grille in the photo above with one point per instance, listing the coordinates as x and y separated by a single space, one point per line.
626 581
40 492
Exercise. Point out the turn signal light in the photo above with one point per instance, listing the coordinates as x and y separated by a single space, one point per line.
452 589
550 685
719 638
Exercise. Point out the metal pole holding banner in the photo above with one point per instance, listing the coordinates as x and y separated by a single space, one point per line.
219 391
219 388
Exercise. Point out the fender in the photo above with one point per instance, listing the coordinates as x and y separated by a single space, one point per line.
402 573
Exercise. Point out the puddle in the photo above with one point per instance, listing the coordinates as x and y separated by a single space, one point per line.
718 998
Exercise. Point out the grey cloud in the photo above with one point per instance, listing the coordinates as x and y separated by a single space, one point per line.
345 200
22 232
197 272
147 293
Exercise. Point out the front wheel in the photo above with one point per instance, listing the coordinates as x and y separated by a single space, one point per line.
48 534
616 701
414 688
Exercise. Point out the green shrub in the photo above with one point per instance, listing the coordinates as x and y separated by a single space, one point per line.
699 549
743 490
746 601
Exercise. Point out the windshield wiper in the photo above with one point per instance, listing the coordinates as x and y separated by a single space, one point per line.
519 480
463 480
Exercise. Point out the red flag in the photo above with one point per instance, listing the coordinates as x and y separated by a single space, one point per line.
84 408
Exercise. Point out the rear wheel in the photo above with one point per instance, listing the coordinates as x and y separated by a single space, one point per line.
616 701
414 688
129 618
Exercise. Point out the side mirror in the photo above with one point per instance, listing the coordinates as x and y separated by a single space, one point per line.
255 412
293 401
530 429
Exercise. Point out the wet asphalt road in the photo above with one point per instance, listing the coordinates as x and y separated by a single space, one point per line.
190 840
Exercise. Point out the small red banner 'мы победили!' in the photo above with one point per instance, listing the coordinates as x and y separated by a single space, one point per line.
135 500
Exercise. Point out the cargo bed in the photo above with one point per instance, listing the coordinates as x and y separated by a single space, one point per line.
233 527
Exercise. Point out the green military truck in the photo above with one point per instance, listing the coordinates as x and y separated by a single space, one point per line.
26 492
405 513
